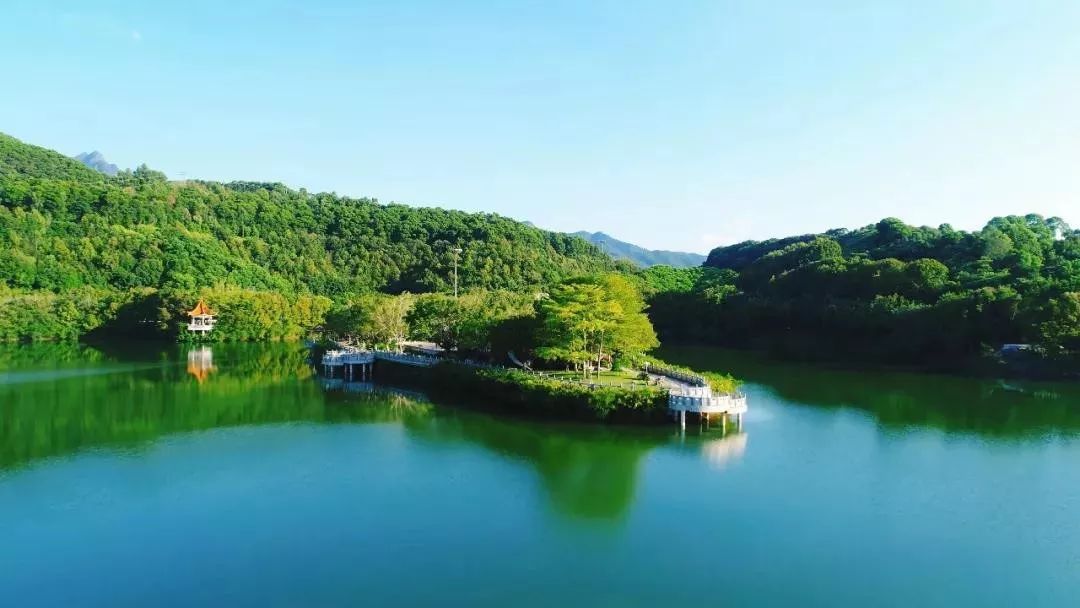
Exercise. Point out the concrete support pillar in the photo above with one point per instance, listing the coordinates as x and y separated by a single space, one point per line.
682 420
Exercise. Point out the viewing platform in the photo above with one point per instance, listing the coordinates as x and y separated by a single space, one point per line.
337 358
701 400
357 364
691 393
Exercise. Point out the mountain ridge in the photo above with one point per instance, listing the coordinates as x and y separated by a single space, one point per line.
640 256
96 160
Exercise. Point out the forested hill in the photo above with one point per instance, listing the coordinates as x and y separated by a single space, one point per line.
639 256
889 292
23 159
1028 239
63 225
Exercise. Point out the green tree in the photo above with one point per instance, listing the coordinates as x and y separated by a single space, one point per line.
592 320
374 319
1061 327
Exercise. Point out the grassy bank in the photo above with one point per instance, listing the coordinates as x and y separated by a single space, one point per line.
521 393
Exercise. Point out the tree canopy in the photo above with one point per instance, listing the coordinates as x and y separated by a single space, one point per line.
63 225
888 291
80 250
591 320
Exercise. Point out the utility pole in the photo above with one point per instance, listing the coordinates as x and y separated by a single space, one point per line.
457 251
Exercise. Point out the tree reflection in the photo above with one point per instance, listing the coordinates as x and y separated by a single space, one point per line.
586 471
128 398
898 399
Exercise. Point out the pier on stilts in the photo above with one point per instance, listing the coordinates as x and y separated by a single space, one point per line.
690 394
357 365
700 403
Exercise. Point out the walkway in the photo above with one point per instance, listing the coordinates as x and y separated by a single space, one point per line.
337 358
686 392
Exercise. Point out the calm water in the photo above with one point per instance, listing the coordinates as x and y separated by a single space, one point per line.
138 478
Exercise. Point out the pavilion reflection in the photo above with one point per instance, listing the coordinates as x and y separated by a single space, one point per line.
200 363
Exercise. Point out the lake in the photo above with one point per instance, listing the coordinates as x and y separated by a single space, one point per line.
145 476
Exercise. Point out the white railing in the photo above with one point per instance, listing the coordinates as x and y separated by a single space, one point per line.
676 374
347 357
697 392
728 404
406 359
356 357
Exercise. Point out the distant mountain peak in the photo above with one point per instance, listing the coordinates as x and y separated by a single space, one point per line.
621 250
96 160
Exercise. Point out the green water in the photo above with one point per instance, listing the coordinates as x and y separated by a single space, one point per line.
131 478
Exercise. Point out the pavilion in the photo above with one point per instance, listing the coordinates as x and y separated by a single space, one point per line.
202 319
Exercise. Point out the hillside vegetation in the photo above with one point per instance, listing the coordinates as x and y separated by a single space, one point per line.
63 225
80 250
888 292
20 159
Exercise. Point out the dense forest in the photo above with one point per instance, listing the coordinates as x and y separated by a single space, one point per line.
82 252
78 247
63 225
887 293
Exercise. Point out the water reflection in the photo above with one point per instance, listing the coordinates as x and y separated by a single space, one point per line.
724 451
897 399
588 472
85 398
71 405
72 398
200 363
371 388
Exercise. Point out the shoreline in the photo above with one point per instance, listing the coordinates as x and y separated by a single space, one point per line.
970 368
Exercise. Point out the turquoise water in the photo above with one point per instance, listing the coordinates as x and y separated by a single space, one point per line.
137 478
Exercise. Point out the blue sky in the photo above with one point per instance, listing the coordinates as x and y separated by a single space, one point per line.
681 125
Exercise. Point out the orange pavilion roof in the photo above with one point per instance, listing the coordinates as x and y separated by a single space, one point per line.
200 309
